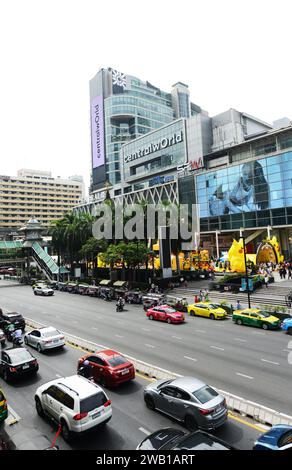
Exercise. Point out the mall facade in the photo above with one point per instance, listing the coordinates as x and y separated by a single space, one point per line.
160 147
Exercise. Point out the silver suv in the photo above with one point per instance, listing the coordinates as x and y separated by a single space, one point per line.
76 403
188 400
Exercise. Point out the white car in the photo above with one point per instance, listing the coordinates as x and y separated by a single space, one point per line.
45 338
43 290
74 402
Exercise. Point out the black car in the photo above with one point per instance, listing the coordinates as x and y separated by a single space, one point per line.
17 362
175 439
12 317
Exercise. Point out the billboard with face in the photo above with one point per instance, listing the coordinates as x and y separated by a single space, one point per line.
252 186
97 132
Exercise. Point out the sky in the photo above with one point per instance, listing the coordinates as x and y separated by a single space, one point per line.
231 54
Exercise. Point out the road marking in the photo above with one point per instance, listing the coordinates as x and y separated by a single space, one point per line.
216 347
58 375
258 333
119 336
270 362
243 375
144 431
201 331
190 358
240 339
94 328
176 337
149 345
258 428
145 329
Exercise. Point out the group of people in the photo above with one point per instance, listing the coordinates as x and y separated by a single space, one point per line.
203 296
285 269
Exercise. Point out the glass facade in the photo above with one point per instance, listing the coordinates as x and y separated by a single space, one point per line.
155 153
129 113
254 194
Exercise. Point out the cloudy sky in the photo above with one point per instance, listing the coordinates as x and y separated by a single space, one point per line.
230 53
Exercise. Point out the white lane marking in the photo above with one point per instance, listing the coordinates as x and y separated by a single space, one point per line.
240 339
94 328
201 331
145 329
243 375
176 337
144 431
119 336
149 345
270 362
258 333
216 347
58 375
190 358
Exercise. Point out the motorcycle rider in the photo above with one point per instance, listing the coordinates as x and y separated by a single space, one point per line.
120 303
17 337
86 370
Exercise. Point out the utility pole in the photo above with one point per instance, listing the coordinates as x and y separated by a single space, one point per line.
246 273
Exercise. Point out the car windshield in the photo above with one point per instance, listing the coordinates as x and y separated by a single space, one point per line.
285 439
205 394
213 306
48 334
19 355
117 361
92 402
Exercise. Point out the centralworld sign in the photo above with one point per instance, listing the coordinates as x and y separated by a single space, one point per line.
163 143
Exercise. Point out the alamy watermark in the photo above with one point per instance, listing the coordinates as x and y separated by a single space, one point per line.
154 221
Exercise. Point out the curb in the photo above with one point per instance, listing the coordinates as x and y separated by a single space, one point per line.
244 407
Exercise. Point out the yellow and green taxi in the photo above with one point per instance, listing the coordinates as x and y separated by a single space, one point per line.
3 407
207 309
256 317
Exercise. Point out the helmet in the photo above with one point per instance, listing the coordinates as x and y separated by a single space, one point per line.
86 363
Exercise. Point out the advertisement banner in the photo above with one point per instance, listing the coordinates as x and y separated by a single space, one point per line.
97 132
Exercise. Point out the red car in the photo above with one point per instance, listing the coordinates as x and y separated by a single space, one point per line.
109 367
165 313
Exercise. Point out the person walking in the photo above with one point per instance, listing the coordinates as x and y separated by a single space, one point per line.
238 305
196 299
290 271
266 280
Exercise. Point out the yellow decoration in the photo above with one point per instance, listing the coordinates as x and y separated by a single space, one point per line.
236 256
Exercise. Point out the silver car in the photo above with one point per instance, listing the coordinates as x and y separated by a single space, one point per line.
43 290
45 338
188 400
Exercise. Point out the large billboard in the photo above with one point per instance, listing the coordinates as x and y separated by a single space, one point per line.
97 132
252 186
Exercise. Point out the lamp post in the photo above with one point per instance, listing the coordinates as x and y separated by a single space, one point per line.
217 243
245 265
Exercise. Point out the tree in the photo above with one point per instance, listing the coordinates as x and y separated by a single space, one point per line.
91 248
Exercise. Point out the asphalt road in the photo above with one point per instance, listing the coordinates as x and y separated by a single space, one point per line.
131 419
245 361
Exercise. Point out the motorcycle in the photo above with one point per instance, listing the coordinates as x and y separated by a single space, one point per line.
86 373
17 342
119 307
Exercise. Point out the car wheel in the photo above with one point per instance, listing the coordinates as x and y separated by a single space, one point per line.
5 376
39 348
192 313
265 326
191 423
168 321
67 434
34 292
238 321
151 317
212 316
149 402
39 407
289 331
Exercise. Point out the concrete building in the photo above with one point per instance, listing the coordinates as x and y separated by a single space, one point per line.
34 193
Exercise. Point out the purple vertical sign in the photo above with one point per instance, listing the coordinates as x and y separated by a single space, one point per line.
97 132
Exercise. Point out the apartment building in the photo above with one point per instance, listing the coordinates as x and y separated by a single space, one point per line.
36 194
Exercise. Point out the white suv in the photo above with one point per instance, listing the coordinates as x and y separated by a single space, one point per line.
74 402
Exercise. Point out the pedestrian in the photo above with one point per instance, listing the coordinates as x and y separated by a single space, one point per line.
238 305
201 295
185 283
266 280
196 299
284 272
290 271
207 296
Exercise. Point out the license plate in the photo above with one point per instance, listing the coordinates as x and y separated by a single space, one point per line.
56 341
124 372
96 415
26 366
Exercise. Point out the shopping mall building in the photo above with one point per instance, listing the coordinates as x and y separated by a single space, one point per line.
154 146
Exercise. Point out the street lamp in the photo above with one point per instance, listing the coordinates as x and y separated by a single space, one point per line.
217 243
245 265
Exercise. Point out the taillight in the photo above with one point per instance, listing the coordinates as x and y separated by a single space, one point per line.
205 412
13 369
80 416
107 403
